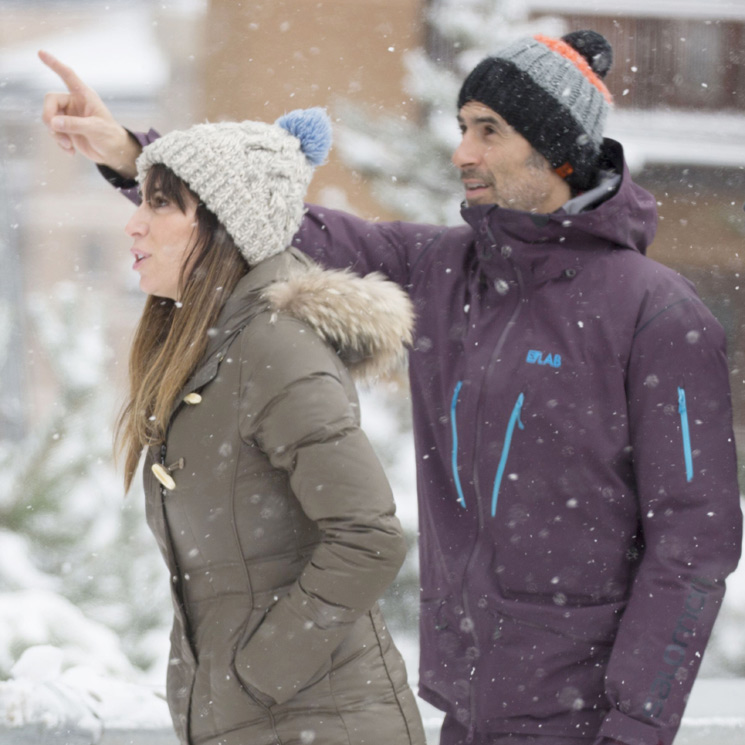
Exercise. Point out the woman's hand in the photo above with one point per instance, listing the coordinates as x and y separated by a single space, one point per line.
80 122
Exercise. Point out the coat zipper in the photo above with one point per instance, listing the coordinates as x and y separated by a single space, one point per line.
514 420
464 595
687 454
454 428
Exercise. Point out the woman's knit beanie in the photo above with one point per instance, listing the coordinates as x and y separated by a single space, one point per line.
253 176
551 91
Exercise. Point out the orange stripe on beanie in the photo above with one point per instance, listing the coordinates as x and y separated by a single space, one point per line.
551 92
561 47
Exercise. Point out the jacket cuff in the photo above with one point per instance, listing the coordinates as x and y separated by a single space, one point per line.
128 185
115 179
624 729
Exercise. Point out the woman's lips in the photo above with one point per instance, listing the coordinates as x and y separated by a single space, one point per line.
139 258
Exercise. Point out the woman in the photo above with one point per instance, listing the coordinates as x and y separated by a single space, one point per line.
268 504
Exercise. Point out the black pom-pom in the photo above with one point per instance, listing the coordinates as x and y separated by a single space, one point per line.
594 47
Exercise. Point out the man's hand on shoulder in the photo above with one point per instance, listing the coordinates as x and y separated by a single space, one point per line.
80 122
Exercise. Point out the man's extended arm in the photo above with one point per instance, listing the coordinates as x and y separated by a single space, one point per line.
340 240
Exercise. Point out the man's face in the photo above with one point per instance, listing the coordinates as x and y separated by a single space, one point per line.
499 166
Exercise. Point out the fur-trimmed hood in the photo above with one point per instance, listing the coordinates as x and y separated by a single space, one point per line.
368 320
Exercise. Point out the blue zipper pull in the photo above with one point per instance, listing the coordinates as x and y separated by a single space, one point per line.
454 456
687 454
514 420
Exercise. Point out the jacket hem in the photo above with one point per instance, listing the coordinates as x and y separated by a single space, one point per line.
583 726
629 731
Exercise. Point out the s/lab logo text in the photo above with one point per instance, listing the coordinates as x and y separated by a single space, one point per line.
535 357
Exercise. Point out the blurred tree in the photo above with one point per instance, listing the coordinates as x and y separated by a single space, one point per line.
389 431
11 361
62 507
408 162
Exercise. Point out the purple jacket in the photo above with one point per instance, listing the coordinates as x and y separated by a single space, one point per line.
579 508
578 500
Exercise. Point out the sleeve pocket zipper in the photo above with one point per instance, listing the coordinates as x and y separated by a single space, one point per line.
687 454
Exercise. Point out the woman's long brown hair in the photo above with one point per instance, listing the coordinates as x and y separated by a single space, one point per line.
171 337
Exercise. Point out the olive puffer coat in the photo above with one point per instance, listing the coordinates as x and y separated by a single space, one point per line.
278 526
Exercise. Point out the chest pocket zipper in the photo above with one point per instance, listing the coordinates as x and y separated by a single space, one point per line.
454 456
514 421
684 428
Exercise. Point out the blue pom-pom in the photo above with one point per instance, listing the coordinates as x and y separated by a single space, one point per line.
313 128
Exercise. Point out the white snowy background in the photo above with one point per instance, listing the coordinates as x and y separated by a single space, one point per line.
84 607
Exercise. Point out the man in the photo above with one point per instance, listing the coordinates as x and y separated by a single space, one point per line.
579 509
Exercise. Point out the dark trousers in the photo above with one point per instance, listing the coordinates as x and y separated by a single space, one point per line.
453 733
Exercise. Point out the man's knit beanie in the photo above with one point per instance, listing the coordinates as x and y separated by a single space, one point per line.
551 91
253 176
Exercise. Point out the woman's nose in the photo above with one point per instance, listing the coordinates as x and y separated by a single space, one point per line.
136 225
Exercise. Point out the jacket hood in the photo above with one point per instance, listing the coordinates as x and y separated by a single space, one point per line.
368 320
626 219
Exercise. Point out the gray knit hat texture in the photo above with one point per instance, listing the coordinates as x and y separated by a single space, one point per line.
252 175
551 91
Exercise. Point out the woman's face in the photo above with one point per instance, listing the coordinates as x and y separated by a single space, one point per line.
162 236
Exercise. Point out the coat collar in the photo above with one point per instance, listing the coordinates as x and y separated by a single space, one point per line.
246 299
367 320
244 303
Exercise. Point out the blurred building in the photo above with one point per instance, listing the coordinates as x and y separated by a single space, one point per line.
677 79
58 220
168 65
264 58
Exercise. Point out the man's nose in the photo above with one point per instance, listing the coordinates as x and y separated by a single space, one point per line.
466 154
